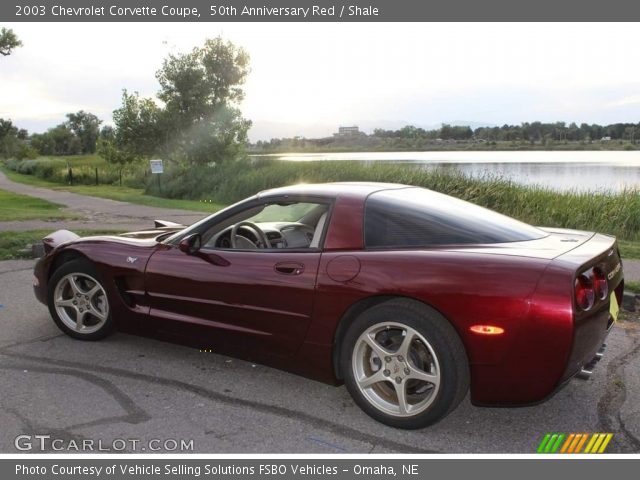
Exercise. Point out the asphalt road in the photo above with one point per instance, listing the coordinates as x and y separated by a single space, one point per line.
95 213
134 388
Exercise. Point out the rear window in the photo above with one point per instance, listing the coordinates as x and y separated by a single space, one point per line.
415 217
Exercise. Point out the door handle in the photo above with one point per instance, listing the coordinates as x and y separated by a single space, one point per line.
289 268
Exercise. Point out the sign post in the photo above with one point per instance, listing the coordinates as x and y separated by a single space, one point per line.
157 168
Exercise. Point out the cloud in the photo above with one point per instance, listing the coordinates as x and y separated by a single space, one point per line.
631 100
308 78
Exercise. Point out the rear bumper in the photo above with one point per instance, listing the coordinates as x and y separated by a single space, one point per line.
589 336
553 346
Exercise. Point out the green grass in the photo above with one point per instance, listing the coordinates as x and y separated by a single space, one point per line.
629 249
614 213
80 160
11 243
114 192
631 286
14 206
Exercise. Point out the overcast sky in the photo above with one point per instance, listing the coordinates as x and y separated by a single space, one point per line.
306 79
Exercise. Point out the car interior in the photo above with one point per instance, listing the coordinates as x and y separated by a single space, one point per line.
281 225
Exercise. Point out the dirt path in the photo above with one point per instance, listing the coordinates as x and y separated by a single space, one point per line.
96 213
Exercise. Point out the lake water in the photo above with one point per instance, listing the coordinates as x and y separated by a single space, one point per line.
563 171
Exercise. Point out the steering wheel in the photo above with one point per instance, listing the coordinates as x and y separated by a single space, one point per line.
239 241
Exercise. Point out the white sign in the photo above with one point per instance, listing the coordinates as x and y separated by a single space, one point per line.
156 166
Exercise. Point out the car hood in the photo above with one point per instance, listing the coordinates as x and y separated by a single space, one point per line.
61 237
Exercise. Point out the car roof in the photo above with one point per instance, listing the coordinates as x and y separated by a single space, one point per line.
335 189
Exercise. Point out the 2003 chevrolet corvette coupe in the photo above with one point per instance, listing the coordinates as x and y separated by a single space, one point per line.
408 296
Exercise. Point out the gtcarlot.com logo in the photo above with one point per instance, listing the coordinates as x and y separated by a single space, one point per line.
574 442
45 443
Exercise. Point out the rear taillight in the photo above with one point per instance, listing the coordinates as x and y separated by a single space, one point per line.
585 294
600 284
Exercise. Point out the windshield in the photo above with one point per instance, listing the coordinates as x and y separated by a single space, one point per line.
413 217
286 212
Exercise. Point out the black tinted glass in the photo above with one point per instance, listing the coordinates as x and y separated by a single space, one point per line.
413 217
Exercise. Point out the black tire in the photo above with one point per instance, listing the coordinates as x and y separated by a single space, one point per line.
444 342
87 274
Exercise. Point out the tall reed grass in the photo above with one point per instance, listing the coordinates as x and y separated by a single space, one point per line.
83 168
616 213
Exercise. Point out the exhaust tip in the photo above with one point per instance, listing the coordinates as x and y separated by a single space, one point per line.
587 370
584 374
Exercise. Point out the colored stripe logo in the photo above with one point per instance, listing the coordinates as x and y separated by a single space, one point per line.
574 442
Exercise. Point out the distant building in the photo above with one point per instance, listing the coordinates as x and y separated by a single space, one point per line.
605 139
352 131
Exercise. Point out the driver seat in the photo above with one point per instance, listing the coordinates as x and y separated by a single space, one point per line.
317 234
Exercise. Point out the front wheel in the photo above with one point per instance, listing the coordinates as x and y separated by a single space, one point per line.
404 364
78 301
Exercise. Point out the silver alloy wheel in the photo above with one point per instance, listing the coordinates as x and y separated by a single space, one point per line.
81 303
396 369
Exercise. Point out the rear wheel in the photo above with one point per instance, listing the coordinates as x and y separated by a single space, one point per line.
78 301
404 364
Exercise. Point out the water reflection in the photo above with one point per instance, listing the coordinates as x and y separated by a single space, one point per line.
580 171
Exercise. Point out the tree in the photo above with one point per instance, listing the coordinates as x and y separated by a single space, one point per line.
137 133
198 123
43 143
107 133
119 157
65 142
7 128
139 128
8 138
201 91
8 41
59 140
87 128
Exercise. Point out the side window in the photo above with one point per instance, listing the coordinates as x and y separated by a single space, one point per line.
415 217
277 225
393 225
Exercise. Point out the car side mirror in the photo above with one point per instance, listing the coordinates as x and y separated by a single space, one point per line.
191 244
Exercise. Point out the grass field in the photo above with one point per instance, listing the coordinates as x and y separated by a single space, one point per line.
11 243
22 207
629 249
631 286
182 187
612 213
114 192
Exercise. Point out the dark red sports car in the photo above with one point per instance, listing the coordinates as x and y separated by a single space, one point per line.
408 296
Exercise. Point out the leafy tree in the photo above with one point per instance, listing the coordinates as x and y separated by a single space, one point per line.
65 141
8 41
43 143
137 133
198 122
8 138
448 132
118 157
107 133
7 128
87 128
59 140
139 128
201 91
